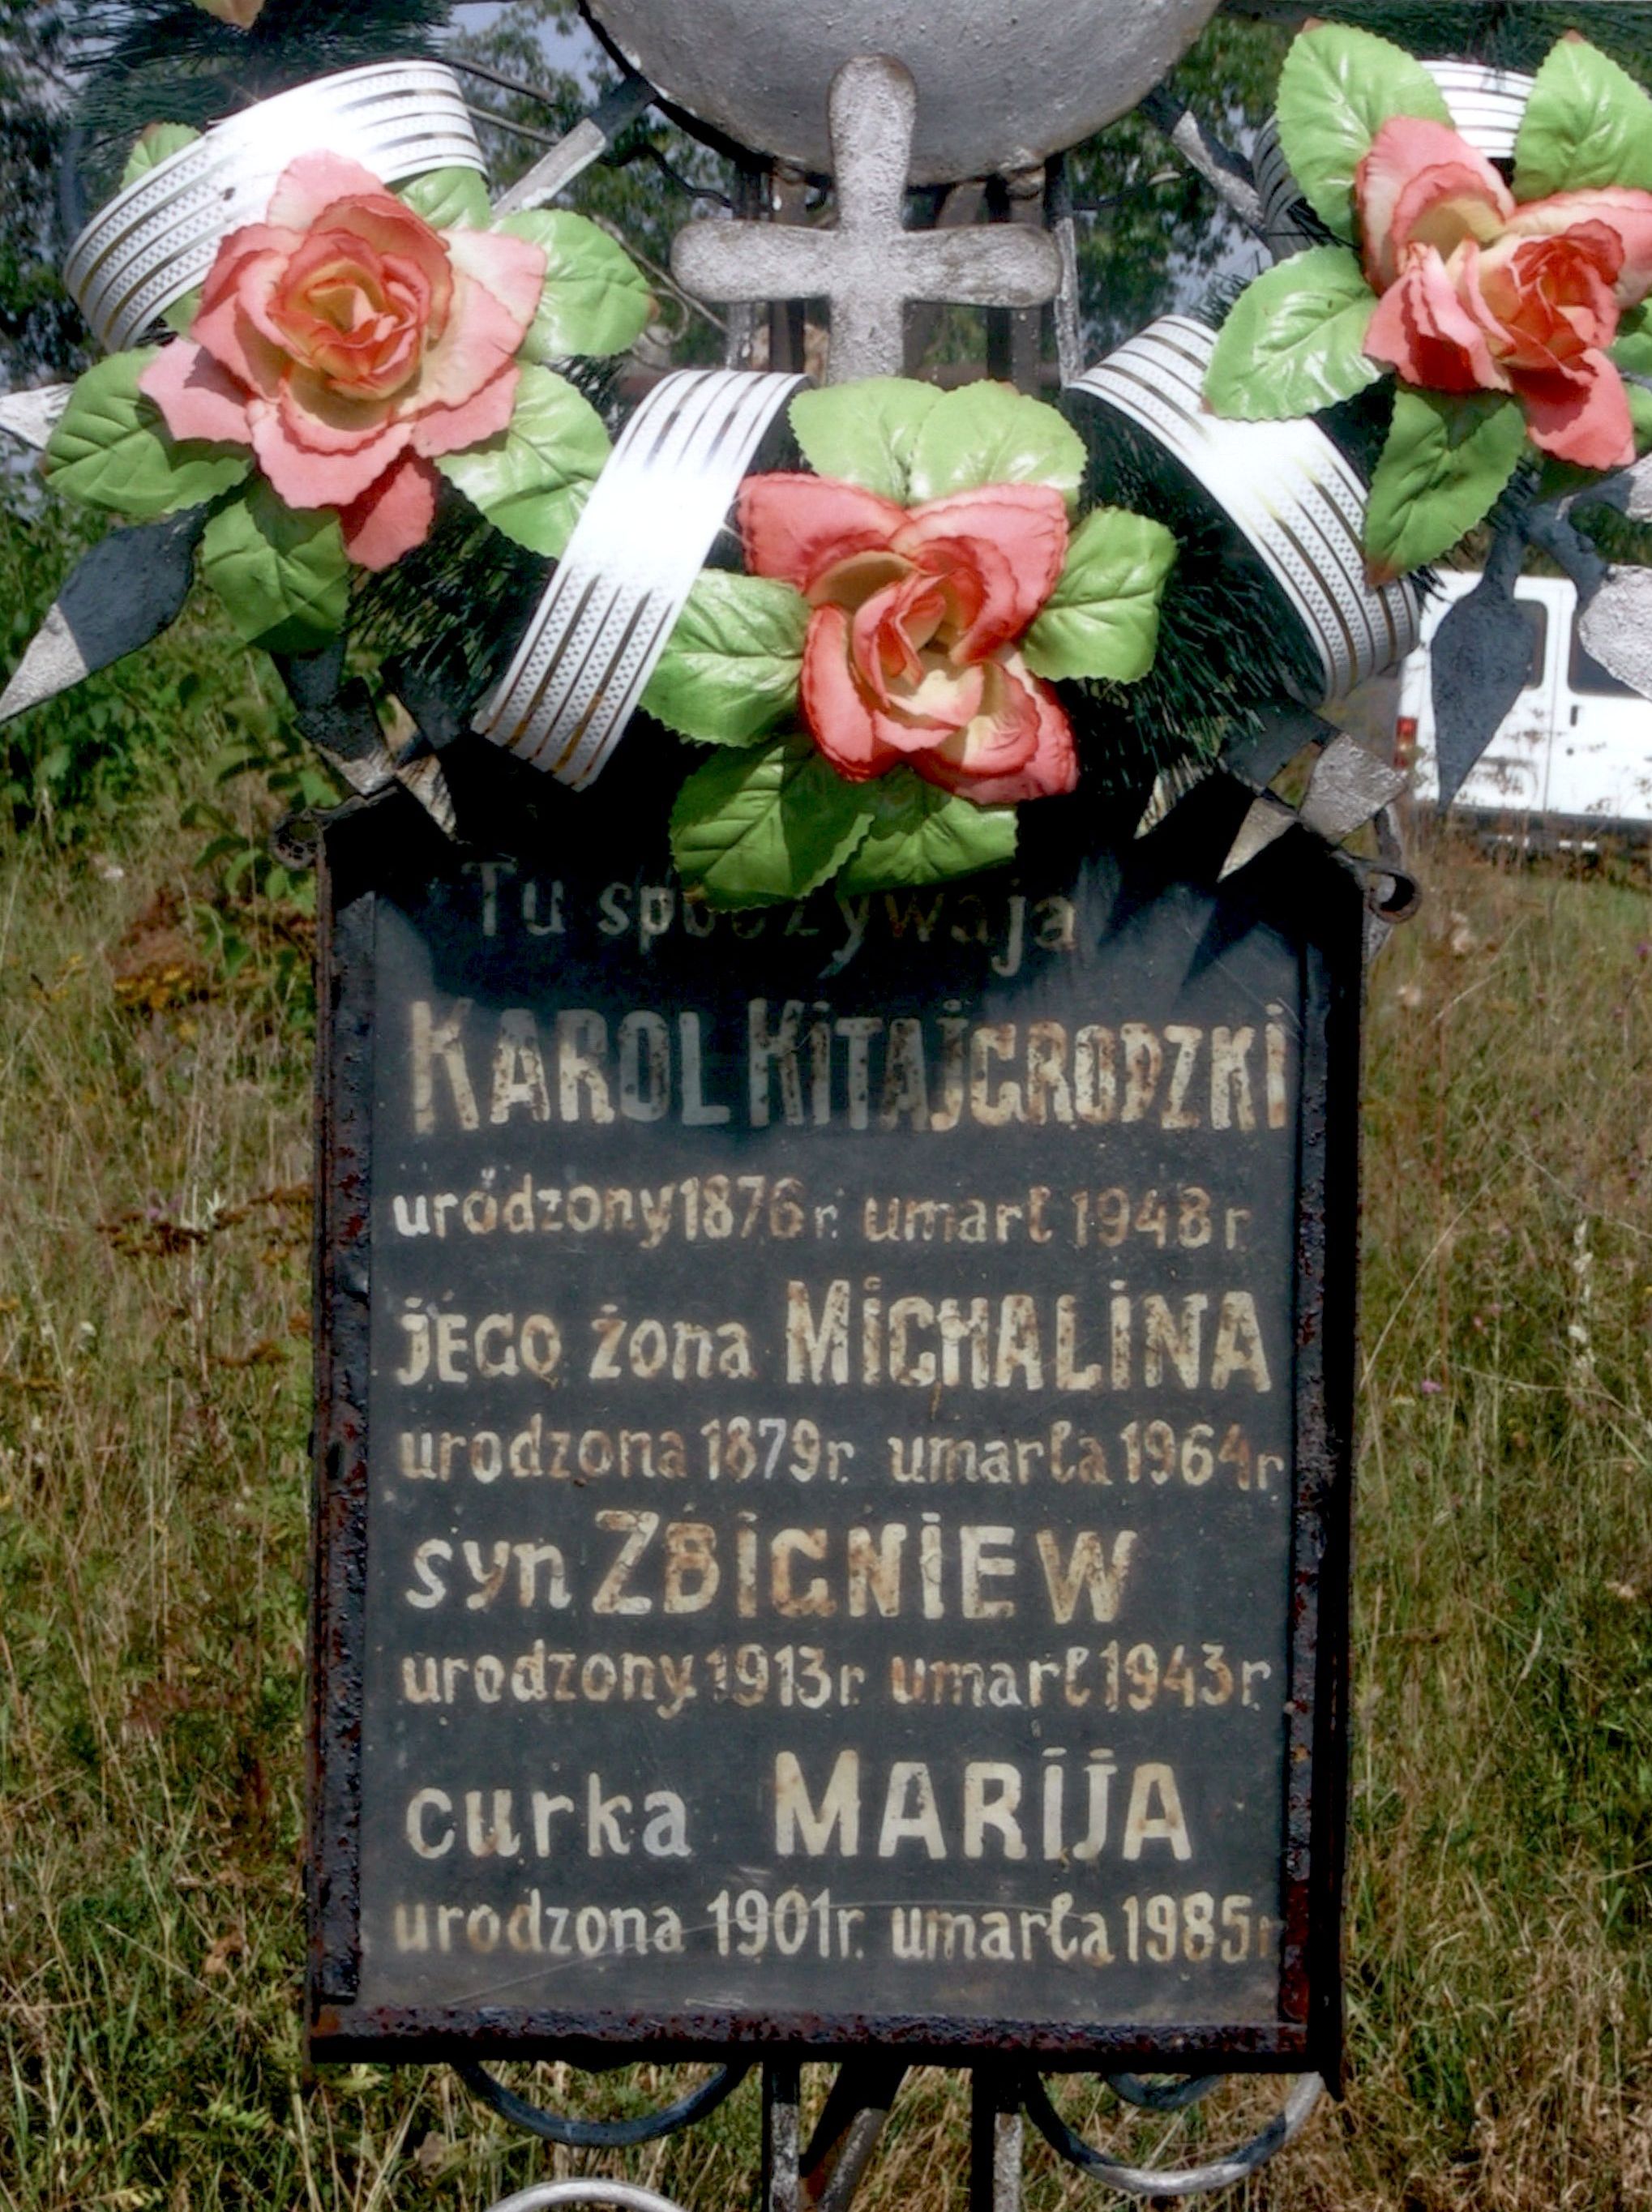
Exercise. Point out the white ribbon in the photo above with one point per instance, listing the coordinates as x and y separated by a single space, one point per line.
1295 498
653 517
155 241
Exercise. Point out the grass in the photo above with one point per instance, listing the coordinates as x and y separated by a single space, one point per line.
154 1400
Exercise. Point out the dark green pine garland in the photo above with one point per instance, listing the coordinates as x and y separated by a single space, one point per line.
1230 643
453 611
450 613
168 61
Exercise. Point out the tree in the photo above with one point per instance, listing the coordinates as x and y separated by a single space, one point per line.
1151 234
41 328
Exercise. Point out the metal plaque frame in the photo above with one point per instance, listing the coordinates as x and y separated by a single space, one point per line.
1299 886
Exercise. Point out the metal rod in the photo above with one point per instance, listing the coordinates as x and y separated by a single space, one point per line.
1226 174
788 203
517 85
751 199
547 2195
1069 328
995 2140
599 2135
535 137
1174 2181
1015 336
782 2080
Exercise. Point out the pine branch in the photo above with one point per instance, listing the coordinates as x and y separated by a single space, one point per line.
168 61
1229 641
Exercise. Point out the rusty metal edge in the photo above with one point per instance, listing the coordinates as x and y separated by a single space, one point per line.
412 2033
1307 2036
339 1555
1310 1980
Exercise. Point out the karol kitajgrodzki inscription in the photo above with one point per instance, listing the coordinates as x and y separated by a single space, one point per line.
842 1438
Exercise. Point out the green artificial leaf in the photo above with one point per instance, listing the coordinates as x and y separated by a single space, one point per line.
449 199
1640 412
595 300
111 448
182 312
282 574
1447 459
159 141
1587 124
922 834
751 828
865 434
532 480
1633 351
1337 89
731 669
1633 355
986 433
1101 619
1296 339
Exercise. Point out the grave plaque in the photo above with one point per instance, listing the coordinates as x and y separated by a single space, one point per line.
834 1456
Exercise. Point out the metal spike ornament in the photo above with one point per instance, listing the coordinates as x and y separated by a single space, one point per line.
130 587
1481 658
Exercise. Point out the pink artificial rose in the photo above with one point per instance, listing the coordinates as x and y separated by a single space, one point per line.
346 342
1479 293
910 653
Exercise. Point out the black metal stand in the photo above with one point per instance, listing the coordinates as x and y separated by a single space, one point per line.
780 2189
995 2139
825 2175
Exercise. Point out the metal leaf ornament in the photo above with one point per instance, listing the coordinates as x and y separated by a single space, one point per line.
130 587
1616 628
1481 657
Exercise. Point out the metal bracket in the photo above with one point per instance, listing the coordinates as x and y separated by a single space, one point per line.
1161 2096
1172 2181
847 2133
996 2136
780 2189
590 138
600 2135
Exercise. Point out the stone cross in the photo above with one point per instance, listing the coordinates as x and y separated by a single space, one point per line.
867 265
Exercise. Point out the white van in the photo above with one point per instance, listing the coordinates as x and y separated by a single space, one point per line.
1572 760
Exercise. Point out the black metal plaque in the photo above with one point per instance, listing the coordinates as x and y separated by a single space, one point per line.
834 1458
